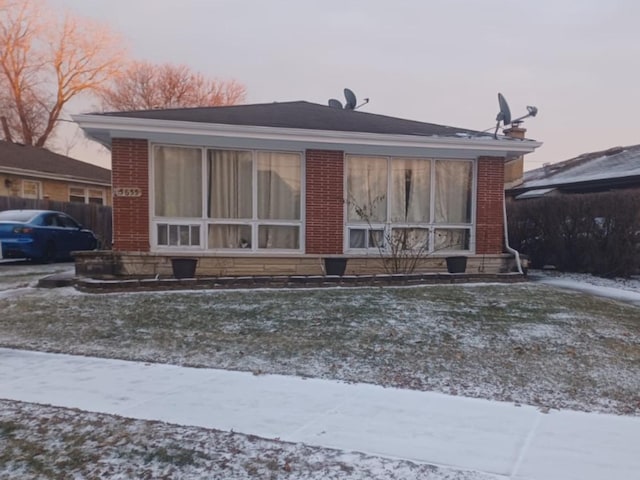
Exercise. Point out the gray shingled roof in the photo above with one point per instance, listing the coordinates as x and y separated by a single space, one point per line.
17 156
302 115
615 162
617 166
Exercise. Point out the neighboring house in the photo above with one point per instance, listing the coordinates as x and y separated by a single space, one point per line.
582 214
31 172
613 169
275 188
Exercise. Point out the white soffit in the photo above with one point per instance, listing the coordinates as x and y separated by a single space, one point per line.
103 128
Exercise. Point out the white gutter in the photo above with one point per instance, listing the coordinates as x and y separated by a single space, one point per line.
51 176
105 123
513 251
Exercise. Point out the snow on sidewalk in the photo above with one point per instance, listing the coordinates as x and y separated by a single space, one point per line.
623 290
480 435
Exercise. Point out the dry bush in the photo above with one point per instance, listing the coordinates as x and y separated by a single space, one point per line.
595 233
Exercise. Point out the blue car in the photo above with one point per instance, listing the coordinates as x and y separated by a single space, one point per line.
42 235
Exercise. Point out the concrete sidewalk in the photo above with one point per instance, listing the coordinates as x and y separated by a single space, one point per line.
493 437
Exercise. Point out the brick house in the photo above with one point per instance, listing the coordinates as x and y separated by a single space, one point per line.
38 173
276 188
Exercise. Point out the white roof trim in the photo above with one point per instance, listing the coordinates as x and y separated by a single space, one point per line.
541 192
51 176
94 124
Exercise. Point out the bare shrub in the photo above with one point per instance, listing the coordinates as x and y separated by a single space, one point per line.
596 233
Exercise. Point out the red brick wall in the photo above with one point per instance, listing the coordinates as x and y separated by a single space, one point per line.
489 214
324 202
130 169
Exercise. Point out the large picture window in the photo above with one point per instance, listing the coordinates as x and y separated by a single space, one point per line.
249 200
408 203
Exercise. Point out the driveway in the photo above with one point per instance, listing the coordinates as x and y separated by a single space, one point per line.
16 274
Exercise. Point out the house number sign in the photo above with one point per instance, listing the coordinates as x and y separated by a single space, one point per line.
128 192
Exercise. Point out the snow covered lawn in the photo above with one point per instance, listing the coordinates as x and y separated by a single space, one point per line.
524 343
46 442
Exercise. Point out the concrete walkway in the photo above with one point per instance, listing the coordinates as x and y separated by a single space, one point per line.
499 438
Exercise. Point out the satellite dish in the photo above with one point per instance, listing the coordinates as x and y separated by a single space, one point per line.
505 113
531 112
351 99
333 103
364 102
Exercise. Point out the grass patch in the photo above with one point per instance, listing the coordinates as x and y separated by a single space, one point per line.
43 446
525 343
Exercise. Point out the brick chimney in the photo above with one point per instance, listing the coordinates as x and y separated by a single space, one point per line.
516 131
514 168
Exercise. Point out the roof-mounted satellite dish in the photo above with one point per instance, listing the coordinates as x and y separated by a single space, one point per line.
350 103
351 99
504 115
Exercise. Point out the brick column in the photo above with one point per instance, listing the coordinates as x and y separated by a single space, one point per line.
489 214
130 170
324 202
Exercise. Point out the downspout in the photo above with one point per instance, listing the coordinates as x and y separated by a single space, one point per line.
513 251
517 132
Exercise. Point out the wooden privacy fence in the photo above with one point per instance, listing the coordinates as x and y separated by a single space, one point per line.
95 217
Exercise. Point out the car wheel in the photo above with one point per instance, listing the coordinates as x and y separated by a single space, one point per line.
49 254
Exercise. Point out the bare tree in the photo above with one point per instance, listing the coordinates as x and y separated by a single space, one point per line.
145 86
45 61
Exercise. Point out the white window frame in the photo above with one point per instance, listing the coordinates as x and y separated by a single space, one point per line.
38 185
431 226
254 223
96 189
179 222
85 193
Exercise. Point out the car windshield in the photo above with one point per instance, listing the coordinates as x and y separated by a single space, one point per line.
16 216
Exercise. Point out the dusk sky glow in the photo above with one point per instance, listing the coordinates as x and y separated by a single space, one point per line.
437 61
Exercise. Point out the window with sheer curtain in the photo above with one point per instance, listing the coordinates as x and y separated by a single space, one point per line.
236 179
278 191
177 182
403 200
230 197
247 200
453 192
410 190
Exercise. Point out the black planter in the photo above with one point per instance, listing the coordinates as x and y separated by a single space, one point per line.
456 264
184 267
335 266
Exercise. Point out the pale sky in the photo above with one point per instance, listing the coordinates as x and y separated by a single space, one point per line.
437 61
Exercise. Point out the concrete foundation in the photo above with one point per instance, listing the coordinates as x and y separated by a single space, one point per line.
136 265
